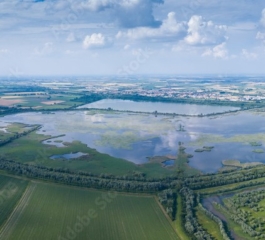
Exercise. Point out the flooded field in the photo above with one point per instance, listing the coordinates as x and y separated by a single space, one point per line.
135 137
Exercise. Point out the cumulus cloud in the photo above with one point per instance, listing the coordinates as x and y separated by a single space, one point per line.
218 51
195 32
128 13
96 40
201 32
98 5
261 35
169 28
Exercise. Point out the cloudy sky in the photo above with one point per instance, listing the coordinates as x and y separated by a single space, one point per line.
86 37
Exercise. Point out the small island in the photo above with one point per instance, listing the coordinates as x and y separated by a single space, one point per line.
238 164
204 149
255 144
258 151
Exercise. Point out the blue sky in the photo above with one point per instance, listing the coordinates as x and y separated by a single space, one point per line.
86 37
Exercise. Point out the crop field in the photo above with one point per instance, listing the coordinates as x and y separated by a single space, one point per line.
11 190
38 100
49 211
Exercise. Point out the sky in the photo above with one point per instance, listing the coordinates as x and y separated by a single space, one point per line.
129 37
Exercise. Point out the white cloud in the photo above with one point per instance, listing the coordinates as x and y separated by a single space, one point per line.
249 55
196 32
169 28
261 36
218 51
128 13
204 33
96 40
98 5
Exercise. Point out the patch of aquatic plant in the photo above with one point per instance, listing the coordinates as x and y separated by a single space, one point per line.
118 140
236 163
204 149
203 139
258 151
255 144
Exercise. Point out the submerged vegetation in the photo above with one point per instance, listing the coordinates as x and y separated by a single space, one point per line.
236 163
204 149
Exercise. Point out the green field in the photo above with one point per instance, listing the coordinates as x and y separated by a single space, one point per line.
49 211
11 190
11 130
179 221
211 227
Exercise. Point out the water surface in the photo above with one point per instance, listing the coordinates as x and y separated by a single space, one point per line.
178 108
135 137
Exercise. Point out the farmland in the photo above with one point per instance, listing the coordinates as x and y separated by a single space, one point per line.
59 212
11 190
38 100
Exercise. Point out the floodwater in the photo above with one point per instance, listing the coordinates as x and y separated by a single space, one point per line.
178 108
169 163
68 156
135 137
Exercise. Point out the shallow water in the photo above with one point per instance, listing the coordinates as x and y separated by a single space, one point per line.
135 137
68 156
178 108
169 163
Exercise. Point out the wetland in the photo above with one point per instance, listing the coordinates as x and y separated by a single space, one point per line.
137 137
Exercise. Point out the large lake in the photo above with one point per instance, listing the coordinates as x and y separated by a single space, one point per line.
136 136
178 108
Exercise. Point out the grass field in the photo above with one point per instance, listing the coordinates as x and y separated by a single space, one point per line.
210 226
12 129
11 190
231 187
49 211
178 222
